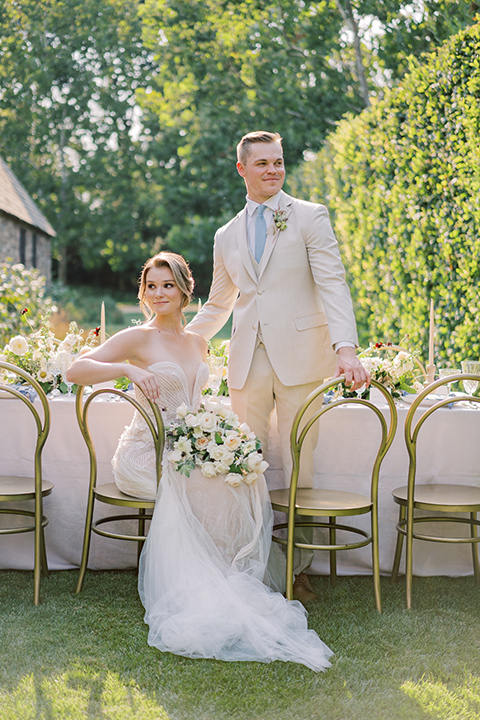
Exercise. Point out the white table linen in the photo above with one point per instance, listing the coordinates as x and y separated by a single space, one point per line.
449 451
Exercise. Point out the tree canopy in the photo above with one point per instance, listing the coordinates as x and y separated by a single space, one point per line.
121 117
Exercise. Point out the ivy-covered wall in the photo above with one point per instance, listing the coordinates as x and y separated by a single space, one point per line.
402 181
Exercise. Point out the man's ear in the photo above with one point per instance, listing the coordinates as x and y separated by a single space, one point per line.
240 169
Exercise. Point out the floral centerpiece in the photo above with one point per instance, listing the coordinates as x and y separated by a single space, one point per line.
213 440
217 362
392 367
46 357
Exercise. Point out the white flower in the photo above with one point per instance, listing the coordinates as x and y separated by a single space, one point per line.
256 462
184 445
208 422
175 456
202 442
232 442
208 469
44 375
250 478
244 428
234 479
191 420
182 410
18 345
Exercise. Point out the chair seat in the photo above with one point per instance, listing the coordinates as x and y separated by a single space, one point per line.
109 493
16 488
459 498
325 501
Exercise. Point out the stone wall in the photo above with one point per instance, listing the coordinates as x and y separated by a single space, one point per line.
11 233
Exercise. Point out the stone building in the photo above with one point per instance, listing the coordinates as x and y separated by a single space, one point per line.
25 232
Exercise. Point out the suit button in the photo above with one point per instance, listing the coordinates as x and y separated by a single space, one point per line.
260 292
253 327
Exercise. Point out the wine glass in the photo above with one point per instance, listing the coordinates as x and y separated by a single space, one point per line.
53 366
470 367
447 372
215 363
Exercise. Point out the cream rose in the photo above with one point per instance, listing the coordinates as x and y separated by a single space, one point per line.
234 479
18 345
208 469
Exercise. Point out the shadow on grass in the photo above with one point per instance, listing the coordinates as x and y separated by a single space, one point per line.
86 656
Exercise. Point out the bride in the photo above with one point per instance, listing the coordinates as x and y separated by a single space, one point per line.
207 578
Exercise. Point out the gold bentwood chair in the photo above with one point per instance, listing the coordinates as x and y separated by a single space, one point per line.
304 505
439 498
18 489
108 492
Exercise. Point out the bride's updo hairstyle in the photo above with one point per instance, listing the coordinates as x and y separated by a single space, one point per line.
181 274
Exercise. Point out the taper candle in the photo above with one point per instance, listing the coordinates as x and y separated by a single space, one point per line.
102 324
431 341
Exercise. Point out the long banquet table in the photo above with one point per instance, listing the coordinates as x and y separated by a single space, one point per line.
449 450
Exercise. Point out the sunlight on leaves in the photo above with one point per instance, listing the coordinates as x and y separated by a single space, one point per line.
76 695
444 703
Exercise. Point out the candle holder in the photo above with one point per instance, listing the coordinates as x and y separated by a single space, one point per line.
431 371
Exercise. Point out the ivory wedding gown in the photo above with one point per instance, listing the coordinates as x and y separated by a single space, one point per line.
206 574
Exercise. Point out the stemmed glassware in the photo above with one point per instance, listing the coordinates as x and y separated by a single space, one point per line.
470 367
447 372
215 364
55 369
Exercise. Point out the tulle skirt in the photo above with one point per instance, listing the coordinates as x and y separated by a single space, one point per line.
209 581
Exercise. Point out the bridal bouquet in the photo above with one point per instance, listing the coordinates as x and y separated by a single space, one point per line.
46 357
213 439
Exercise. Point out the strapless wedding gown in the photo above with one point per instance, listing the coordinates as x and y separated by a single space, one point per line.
207 578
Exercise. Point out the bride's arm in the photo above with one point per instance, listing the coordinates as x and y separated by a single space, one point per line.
109 361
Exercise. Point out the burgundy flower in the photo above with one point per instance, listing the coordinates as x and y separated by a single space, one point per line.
25 310
97 331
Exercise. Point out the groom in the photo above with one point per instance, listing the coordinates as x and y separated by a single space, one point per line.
278 267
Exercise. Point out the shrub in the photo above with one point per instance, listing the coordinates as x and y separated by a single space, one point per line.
403 182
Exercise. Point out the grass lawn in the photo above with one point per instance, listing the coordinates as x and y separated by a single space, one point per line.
86 656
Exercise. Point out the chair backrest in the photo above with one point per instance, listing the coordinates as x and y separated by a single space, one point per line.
414 424
155 425
307 415
27 389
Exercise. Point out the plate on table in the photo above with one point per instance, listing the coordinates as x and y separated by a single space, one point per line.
427 401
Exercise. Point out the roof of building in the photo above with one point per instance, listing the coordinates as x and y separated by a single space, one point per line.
16 201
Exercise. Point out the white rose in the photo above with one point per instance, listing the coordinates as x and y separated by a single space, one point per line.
210 403
234 479
191 420
221 468
244 428
182 410
250 478
208 422
18 345
202 442
208 470
232 442
255 461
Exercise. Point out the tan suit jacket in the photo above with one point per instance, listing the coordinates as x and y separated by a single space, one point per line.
300 300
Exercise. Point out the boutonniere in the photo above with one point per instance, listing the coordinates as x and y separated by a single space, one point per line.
280 218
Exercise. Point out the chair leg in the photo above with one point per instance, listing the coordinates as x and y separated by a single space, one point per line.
290 551
376 559
37 561
141 531
86 542
332 539
398 547
44 562
473 533
409 557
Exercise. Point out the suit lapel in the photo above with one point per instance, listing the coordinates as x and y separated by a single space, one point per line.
273 233
241 239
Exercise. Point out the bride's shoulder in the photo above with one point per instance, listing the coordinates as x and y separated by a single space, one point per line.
197 340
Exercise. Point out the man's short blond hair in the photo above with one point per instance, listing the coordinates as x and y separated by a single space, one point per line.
258 136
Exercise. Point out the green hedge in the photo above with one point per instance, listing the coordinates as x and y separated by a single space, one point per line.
403 183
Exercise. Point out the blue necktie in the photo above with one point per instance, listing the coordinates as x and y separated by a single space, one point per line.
260 232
